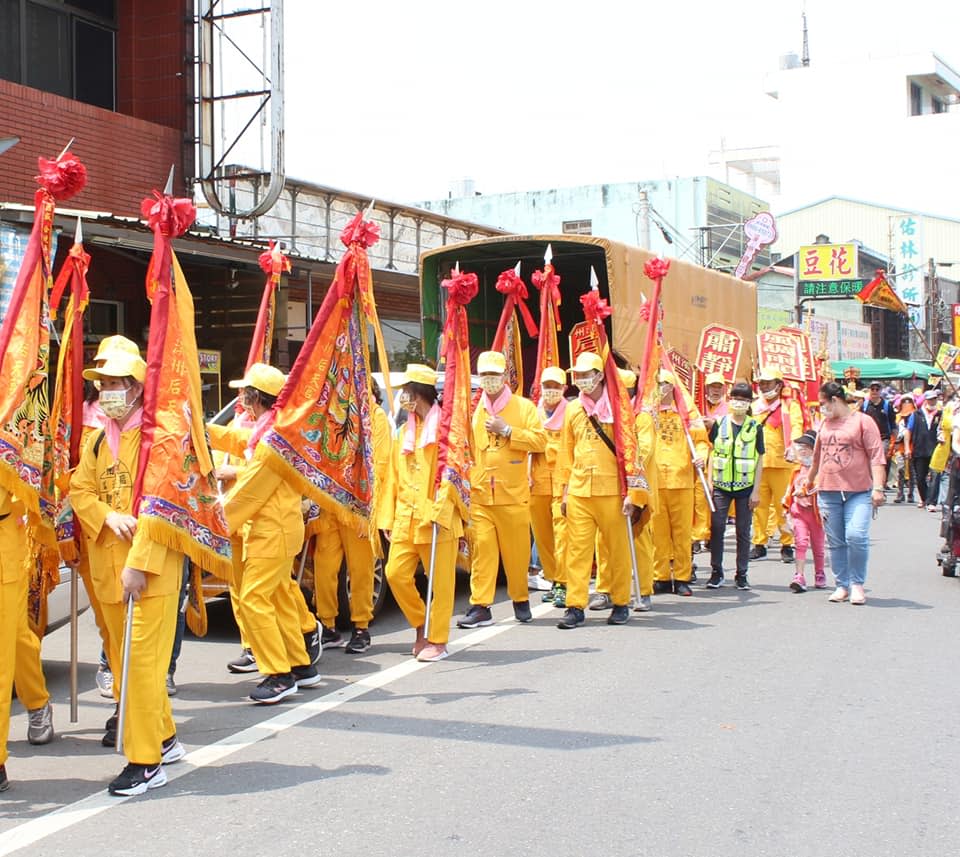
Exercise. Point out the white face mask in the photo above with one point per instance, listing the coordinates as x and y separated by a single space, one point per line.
805 458
492 385
770 395
738 407
588 383
114 403
405 400
551 397
714 398
827 410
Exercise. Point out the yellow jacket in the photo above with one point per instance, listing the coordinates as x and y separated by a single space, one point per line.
543 466
647 452
101 485
674 463
12 538
586 467
499 475
773 439
938 461
409 497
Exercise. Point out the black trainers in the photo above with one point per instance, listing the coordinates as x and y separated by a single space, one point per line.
307 676
109 738
136 779
172 751
715 581
681 587
571 618
359 641
274 688
313 645
786 553
331 638
758 552
477 616
521 610
662 587
741 581
620 615
246 663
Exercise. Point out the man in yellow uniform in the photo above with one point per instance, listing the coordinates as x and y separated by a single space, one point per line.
673 521
782 422
506 428
266 510
13 602
31 685
545 518
336 540
408 512
591 500
125 565
715 407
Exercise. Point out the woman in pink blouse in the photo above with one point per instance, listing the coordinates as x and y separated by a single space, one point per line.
848 469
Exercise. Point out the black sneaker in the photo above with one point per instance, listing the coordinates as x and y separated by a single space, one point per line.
359 641
741 581
136 779
109 738
4 782
313 645
521 610
477 616
331 638
662 587
274 688
758 552
172 751
307 676
715 581
620 615
681 587
786 553
571 618
246 663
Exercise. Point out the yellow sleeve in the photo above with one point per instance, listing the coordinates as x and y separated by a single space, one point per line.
700 438
567 443
88 508
388 500
152 557
256 484
530 436
646 438
229 439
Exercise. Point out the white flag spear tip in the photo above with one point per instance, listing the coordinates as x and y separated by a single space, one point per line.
594 281
66 148
516 269
366 214
168 190
548 255
456 268
78 235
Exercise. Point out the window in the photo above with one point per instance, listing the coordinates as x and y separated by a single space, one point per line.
939 106
62 46
916 99
578 227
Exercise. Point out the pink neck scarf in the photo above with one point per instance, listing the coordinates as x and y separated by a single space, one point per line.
600 409
553 422
494 407
428 434
93 415
263 424
111 431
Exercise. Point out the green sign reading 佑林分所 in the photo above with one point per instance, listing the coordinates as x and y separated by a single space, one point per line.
831 288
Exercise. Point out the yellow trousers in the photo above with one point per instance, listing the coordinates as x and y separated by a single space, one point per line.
769 516
271 615
548 526
402 563
643 545
701 514
586 518
13 603
501 534
149 720
28 672
672 529
329 548
308 622
237 615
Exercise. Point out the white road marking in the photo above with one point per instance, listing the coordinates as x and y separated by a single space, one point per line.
31 832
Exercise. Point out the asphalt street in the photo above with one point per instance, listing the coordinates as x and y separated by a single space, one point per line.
729 723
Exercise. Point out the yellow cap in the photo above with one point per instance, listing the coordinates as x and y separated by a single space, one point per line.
714 378
629 378
420 373
587 361
116 343
666 377
118 364
491 361
260 376
553 373
771 373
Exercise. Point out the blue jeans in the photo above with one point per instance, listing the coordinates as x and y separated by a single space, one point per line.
848 534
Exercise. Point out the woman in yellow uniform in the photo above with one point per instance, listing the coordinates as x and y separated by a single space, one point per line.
122 566
13 602
408 512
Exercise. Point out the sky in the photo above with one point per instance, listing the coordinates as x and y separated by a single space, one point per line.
399 100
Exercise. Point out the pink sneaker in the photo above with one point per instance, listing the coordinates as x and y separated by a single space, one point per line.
820 580
799 583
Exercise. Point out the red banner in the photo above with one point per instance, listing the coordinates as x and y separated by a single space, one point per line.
719 351
806 351
781 350
583 337
682 368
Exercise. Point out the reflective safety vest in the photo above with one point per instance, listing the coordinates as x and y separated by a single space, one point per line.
735 460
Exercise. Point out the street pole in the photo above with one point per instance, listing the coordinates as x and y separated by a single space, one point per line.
644 220
932 302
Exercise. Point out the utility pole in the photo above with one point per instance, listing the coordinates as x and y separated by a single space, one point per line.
644 220
933 300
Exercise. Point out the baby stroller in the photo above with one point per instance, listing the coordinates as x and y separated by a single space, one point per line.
950 523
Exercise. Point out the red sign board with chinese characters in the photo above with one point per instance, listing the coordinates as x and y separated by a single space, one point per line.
806 351
583 337
956 324
779 350
719 351
682 368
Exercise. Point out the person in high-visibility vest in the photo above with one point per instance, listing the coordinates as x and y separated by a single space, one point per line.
506 429
737 465
782 420
715 406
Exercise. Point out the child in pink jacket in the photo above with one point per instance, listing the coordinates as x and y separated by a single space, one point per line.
805 517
